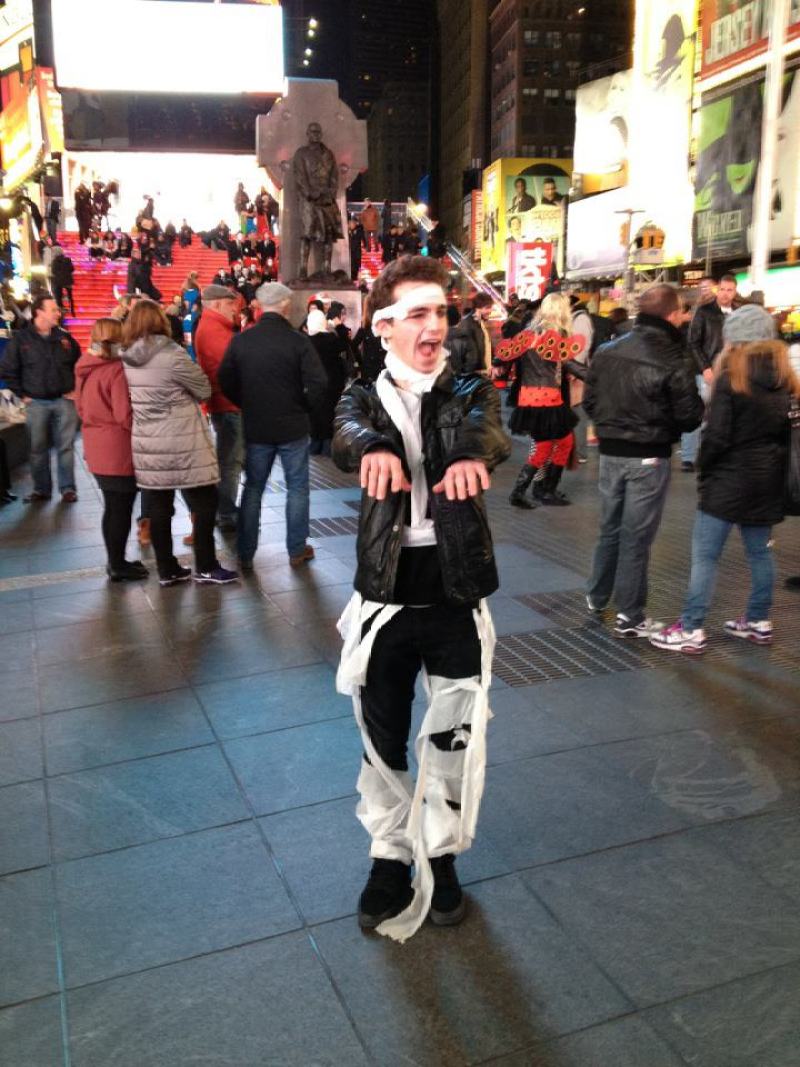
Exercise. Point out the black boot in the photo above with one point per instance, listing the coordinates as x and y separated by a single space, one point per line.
448 904
550 495
518 499
387 892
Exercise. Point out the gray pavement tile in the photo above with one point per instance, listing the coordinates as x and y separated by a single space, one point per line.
770 844
123 730
16 617
14 596
237 617
62 610
273 701
67 559
459 996
324 636
342 546
511 617
323 852
565 804
20 751
318 602
18 699
133 673
526 725
754 1022
27 943
16 649
30 1034
540 577
123 592
131 803
168 900
23 827
704 778
627 1042
671 917
304 765
320 572
268 1003
117 633
271 647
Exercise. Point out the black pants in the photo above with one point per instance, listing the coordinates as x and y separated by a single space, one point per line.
5 474
119 493
202 502
58 292
445 640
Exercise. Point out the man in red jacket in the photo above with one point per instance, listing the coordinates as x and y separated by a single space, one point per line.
214 332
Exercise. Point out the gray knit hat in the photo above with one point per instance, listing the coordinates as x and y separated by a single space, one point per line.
273 294
748 323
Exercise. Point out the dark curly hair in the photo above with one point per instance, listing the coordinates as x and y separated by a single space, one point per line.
405 269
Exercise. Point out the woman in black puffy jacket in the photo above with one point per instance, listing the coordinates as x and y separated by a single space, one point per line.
742 464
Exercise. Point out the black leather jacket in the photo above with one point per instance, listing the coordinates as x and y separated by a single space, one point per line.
705 334
460 420
640 387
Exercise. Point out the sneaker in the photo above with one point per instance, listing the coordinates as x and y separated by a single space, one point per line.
448 904
182 574
387 892
594 608
143 531
130 571
646 628
69 496
675 639
758 632
188 539
217 576
304 557
687 467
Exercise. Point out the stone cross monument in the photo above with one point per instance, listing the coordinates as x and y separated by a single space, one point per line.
309 102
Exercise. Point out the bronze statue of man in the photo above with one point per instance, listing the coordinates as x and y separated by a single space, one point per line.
316 176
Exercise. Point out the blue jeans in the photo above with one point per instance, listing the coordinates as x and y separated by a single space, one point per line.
230 454
708 540
691 441
632 494
258 464
56 421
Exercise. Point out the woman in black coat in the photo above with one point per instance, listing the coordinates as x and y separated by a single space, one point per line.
742 464
332 356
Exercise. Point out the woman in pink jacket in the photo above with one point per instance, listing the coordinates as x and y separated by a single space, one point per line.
104 406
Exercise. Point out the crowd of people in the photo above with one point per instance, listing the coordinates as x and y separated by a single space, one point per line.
410 402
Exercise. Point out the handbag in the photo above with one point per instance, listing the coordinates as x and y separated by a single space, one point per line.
792 493
11 409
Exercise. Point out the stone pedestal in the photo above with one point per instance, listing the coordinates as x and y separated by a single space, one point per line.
350 297
278 136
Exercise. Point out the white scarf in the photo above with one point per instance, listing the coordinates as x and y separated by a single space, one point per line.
406 418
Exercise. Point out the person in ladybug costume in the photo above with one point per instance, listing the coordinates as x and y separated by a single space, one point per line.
541 354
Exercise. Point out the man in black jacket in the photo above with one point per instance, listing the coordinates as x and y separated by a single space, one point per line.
62 274
469 344
705 344
273 375
39 366
640 395
425 443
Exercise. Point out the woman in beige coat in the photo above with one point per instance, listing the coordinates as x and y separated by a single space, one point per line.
172 446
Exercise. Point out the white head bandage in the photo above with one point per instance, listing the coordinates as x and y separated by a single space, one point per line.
428 295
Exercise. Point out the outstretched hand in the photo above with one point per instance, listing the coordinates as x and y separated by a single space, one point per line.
381 471
464 479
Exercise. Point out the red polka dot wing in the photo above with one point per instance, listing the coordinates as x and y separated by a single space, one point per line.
514 347
557 349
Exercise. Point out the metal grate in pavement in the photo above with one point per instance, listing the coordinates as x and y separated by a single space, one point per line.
333 527
547 655
322 475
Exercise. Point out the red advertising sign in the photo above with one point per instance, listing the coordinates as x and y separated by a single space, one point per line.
734 31
529 267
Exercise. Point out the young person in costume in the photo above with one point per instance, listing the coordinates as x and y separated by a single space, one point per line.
425 443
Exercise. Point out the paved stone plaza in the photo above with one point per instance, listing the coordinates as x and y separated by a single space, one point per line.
181 859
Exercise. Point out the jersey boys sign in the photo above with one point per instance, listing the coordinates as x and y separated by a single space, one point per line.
737 30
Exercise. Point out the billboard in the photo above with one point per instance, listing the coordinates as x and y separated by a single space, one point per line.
594 243
523 200
660 124
20 121
215 48
735 31
728 156
529 266
601 133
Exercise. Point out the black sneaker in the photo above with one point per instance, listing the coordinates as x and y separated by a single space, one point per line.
387 892
182 574
448 904
129 571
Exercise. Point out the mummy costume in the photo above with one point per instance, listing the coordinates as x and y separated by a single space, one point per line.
425 567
